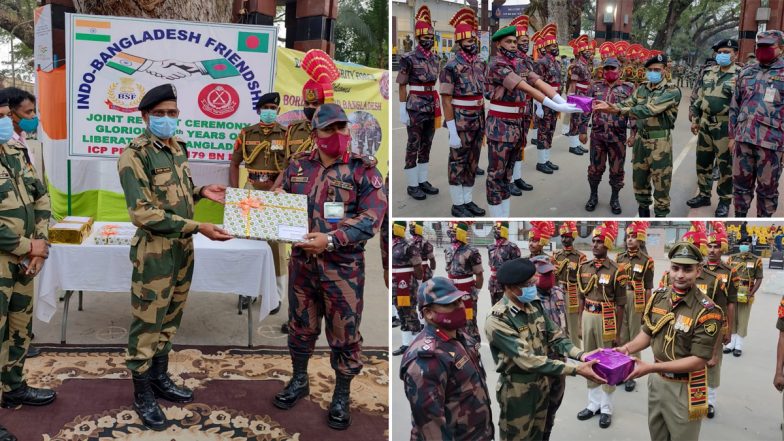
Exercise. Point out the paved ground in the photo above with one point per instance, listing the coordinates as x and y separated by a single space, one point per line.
562 194
748 405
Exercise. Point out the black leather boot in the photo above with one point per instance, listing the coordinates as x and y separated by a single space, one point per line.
593 199
615 204
6 435
144 402
644 211
27 396
163 386
298 387
339 412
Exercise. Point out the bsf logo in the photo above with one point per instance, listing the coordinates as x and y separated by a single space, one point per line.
219 101
124 96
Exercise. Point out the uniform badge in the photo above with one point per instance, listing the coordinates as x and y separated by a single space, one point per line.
703 288
460 362
4 174
749 265
604 279
683 323
376 182
711 328
160 170
637 268
572 265
402 284
299 179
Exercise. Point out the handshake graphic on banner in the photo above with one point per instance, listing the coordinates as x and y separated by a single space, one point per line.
173 69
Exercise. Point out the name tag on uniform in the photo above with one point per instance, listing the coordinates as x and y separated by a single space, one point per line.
770 95
160 170
334 211
637 268
299 179
340 184
749 264
604 279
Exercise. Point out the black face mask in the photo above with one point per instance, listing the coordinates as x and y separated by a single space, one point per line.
471 49
522 48
508 53
426 44
309 112
554 52
497 235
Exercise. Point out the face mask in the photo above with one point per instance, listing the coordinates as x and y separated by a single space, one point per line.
554 52
471 49
497 235
765 54
163 127
522 48
450 321
653 77
267 116
309 112
546 281
743 248
723 59
6 129
29 125
507 53
334 145
426 44
528 294
611 75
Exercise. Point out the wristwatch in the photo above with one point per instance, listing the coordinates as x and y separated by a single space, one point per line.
330 243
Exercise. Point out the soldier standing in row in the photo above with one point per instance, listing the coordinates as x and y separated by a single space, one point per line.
655 106
525 64
549 70
681 325
420 108
710 111
608 135
160 196
639 276
756 128
406 276
502 250
417 230
748 268
521 335
539 237
25 247
462 86
579 83
443 374
602 294
568 261
606 50
346 204
464 268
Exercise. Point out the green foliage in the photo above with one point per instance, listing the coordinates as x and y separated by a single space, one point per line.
362 32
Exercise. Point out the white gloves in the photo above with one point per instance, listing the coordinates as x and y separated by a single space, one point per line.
404 114
558 99
538 109
564 108
454 139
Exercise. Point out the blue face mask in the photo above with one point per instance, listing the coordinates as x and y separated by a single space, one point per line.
653 77
267 116
29 125
743 248
723 59
6 129
528 295
163 127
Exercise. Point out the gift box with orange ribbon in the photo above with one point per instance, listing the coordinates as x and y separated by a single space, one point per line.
265 215
113 234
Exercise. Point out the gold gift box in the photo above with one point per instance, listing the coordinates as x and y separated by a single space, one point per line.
69 232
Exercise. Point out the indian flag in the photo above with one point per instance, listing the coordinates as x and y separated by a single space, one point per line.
91 30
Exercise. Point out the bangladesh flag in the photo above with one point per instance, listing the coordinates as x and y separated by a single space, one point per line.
219 68
253 42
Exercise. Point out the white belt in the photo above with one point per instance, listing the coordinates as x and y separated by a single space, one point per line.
581 86
463 280
416 88
459 102
402 270
425 263
505 109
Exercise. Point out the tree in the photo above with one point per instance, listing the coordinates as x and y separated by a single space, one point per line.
218 11
362 30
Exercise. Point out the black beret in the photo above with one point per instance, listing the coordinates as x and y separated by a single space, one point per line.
661 58
158 94
515 271
268 98
729 42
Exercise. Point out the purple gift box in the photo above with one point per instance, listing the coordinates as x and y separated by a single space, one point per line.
585 103
612 366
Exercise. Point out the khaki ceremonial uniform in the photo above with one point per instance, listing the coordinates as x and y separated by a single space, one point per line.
639 271
567 264
748 268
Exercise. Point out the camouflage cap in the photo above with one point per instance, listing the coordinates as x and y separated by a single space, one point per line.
770 37
515 271
438 290
158 94
686 253
543 264
328 114
729 42
505 32
611 62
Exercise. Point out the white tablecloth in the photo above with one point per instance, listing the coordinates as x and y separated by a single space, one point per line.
237 266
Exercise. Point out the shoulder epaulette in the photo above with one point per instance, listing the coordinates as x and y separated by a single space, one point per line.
369 160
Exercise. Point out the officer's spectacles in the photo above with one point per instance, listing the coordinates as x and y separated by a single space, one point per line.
172 113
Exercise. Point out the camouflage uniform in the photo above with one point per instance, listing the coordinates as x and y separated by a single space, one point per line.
554 305
446 387
602 287
748 268
331 284
656 108
25 215
464 82
580 75
420 69
160 196
520 341
711 112
498 253
383 239
549 69
567 264
608 134
679 327
504 126
755 125
639 274
427 253
527 63
405 256
462 263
